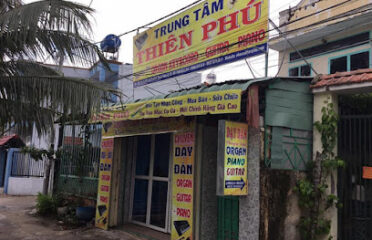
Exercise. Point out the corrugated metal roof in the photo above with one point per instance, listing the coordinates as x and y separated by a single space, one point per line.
289 104
242 84
344 78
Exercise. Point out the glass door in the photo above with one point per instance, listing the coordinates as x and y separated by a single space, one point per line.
151 192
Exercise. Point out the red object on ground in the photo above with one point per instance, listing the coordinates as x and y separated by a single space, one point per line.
367 172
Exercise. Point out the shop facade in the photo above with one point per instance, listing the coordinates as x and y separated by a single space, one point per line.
162 173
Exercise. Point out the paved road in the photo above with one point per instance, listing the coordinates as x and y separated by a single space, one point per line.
17 224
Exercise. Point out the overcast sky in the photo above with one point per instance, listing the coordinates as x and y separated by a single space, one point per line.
119 16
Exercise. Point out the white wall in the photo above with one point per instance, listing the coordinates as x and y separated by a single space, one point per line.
25 186
45 140
75 72
321 62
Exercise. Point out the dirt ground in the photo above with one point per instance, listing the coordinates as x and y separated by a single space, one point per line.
16 223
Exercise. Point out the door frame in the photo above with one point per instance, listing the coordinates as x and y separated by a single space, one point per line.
150 178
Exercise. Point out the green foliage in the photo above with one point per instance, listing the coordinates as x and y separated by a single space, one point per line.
31 93
327 128
312 191
79 155
38 154
305 190
46 205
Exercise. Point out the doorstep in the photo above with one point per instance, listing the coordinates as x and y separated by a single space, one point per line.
144 232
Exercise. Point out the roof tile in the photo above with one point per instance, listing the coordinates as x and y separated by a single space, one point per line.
5 139
344 78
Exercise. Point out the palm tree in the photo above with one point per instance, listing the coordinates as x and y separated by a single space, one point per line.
31 93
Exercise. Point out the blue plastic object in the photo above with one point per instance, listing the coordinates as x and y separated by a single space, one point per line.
85 213
111 43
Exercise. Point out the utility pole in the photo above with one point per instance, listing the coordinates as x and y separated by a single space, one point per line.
267 63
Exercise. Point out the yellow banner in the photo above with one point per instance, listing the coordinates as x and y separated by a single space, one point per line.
104 183
211 33
131 128
183 185
236 149
219 102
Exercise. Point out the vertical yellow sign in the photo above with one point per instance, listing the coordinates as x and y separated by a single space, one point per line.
104 183
182 189
235 159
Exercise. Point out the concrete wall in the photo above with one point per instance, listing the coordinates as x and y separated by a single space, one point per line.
308 7
209 204
45 140
68 71
279 212
25 186
249 206
321 62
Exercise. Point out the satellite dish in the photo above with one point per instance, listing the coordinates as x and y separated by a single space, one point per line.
111 44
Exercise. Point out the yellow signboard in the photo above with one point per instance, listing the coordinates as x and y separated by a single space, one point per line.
183 185
219 102
211 33
104 183
232 163
131 128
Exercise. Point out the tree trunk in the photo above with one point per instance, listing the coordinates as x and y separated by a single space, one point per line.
46 175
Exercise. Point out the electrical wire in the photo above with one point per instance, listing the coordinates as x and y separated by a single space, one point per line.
157 20
282 61
196 2
250 68
285 24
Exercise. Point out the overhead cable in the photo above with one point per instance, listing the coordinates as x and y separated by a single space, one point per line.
145 72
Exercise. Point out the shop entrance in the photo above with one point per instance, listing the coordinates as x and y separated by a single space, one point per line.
151 190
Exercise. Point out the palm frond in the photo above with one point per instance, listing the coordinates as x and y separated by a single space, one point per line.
49 96
47 14
6 5
45 43
26 68
48 27
31 94
25 115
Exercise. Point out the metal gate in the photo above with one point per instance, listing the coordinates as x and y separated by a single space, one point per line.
355 148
